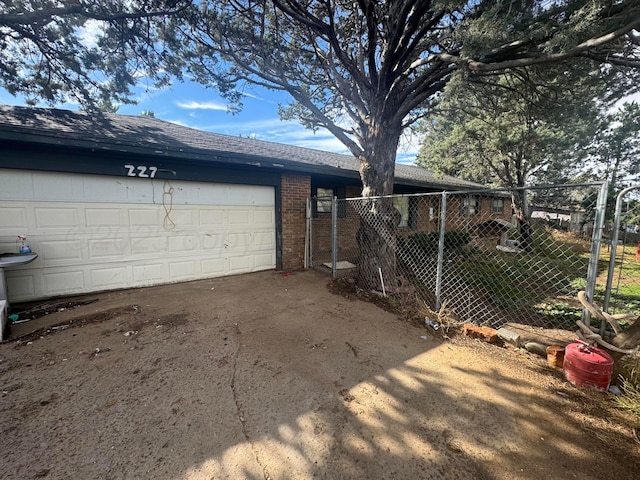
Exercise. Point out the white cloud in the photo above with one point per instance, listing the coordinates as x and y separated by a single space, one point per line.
90 33
178 122
193 105
256 97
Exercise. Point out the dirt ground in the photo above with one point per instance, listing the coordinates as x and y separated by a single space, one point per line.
272 376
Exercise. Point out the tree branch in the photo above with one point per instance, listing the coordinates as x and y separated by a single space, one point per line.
47 14
478 66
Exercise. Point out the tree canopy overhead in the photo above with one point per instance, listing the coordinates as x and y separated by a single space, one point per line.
87 51
362 69
365 70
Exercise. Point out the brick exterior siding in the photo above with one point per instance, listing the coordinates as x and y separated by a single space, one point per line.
294 191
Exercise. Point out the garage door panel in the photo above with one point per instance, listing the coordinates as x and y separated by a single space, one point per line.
56 218
14 184
212 241
59 283
58 250
240 264
261 196
12 220
142 217
149 274
264 261
103 217
182 270
240 217
49 187
108 277
239 241
212 217
264 240
204 196
263 217
116 248
95 232
21 286
148 245
183 218
183 243
214 266
95 189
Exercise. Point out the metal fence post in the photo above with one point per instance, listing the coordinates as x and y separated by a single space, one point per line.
307 236
443 223
334 237
596 237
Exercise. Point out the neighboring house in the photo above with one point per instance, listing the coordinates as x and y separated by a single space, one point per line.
566 218
115 201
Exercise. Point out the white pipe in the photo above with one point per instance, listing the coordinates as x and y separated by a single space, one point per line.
384 292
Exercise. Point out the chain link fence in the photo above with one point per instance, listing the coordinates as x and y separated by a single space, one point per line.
467 253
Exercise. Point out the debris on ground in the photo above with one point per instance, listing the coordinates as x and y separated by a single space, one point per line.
487 334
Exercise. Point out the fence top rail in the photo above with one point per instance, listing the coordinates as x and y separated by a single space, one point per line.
481 191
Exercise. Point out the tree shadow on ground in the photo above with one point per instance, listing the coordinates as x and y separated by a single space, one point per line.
264 376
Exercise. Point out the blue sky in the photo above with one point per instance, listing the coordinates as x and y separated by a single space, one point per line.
191 105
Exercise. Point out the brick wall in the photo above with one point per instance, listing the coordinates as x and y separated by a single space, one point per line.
294 191
457 220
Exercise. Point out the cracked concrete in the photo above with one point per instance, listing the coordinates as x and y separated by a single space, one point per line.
266 376
236 400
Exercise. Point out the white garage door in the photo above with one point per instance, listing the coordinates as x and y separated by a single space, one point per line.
98 233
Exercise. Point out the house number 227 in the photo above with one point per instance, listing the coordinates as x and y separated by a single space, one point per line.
141 171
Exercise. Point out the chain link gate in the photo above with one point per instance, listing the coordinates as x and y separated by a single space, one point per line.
622 292
466 253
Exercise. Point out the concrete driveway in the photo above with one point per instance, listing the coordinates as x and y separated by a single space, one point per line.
271 376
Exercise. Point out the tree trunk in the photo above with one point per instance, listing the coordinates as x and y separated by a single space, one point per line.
523 214
379 218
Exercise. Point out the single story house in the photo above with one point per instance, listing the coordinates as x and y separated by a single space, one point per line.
567 218
115 201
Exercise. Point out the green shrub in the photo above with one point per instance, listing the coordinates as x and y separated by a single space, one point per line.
428 242
456 239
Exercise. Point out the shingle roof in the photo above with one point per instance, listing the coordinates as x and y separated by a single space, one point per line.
143 134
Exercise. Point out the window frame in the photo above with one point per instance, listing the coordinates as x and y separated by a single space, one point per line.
323 202
494 209
408 221
326 201
469 201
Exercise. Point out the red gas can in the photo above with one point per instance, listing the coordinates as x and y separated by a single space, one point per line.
586 366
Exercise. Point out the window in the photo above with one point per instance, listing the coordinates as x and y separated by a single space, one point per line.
325 195
402 206
470 205
497 205
406 206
